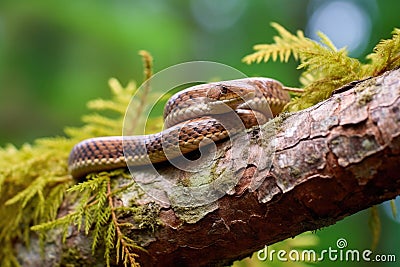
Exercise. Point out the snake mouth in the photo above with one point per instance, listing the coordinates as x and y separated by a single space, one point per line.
228 104
235 100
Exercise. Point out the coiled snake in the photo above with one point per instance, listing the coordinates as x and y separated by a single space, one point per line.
192 117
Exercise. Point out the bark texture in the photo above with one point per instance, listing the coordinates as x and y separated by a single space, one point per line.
331 160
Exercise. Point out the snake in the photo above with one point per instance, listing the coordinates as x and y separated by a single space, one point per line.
193 117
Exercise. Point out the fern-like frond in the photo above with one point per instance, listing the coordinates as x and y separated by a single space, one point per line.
93 182
97 216
109 242
101 213
101 104
326 41
286 44
386 56
325 67
34 180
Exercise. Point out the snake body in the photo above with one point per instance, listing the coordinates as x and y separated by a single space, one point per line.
193 117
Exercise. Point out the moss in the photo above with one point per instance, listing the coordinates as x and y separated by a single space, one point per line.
366 92
280 119
34 181
312 159
72 257
295 172
325 67
193 215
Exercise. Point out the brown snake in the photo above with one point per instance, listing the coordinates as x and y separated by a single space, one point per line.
192 117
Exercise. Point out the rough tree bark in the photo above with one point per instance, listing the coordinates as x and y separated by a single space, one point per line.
331 160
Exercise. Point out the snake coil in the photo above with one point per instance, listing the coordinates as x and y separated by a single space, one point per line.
192 118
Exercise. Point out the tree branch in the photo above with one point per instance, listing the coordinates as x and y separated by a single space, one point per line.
331 160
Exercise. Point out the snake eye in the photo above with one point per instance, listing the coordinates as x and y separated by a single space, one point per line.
224 89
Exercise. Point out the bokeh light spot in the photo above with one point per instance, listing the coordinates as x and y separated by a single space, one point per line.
215 16
345 23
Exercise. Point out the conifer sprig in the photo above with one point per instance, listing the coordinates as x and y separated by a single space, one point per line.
325 67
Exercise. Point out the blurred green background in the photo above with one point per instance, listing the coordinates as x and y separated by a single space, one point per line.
57 55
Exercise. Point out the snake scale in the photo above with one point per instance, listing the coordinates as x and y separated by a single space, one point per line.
192 117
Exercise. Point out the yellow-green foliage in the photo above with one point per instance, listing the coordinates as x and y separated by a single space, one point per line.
326 68
34 180
375 225
96 214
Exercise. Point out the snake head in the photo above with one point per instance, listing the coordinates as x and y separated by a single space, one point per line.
231 94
